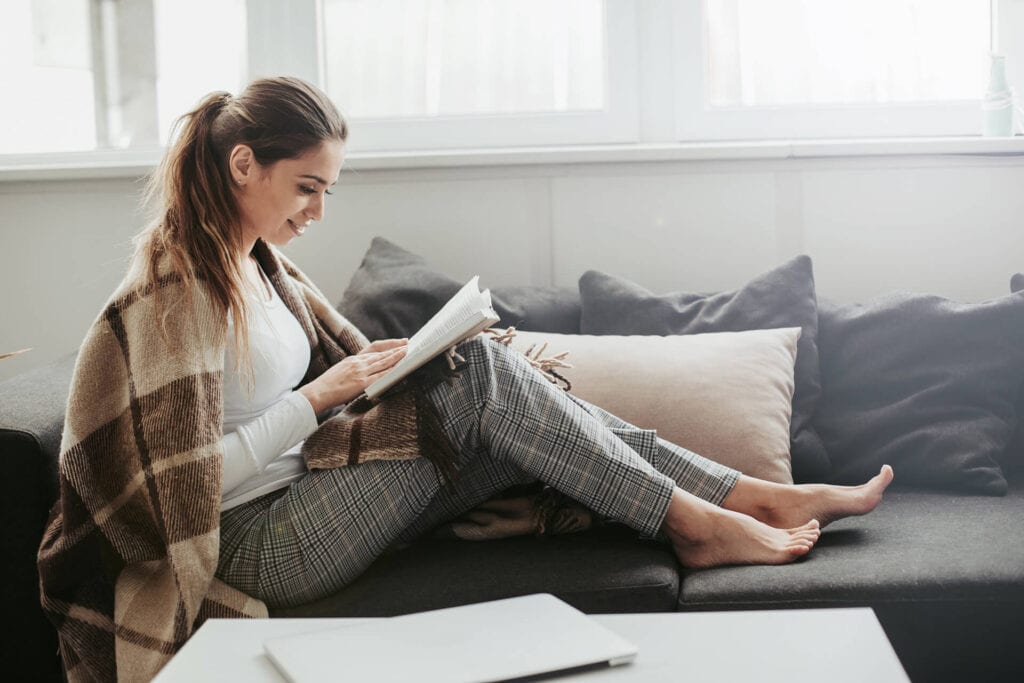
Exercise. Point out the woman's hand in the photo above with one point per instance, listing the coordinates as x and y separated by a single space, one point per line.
347 379
384 345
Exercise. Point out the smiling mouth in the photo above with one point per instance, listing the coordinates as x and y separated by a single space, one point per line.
297 229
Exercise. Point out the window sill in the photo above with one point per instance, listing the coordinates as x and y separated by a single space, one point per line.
138 163
700 151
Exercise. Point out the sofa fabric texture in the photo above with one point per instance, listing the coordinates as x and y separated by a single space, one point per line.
943 572
965 548
925 384
603 571
1012 461
31 419
782 297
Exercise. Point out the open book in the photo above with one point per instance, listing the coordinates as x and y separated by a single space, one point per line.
466 314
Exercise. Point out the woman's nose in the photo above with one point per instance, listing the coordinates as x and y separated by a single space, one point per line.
315 210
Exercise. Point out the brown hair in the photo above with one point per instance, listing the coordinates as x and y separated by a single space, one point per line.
196 226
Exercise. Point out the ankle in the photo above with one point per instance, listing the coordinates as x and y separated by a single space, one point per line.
688 518
764 501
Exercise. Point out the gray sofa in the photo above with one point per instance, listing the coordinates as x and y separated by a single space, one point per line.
942 565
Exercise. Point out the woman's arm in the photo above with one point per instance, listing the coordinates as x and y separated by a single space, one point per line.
249 449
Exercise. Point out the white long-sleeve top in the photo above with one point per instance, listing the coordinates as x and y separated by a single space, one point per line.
265 425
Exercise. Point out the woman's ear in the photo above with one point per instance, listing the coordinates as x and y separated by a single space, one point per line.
242 164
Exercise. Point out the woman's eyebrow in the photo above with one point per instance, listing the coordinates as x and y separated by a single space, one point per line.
316 178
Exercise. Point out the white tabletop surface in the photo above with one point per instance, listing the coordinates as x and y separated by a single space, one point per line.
833 645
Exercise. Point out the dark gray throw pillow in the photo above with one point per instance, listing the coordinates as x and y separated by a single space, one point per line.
1012 461
925 384
394 292
782 297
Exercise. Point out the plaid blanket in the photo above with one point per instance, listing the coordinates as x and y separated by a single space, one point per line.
127 560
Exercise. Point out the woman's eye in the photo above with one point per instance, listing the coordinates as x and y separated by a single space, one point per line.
311 190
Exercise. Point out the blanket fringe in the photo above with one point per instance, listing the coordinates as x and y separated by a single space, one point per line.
535 356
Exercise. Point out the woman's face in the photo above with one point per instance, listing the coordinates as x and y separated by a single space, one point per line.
277 202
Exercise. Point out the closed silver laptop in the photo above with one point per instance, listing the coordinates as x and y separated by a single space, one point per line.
490 641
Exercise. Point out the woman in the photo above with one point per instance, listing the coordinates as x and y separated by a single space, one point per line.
193 415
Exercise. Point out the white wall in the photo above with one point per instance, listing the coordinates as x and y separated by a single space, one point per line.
948 225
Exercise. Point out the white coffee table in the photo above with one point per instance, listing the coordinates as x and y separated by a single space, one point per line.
822 645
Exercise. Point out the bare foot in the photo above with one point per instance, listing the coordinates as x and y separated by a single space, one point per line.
704 535
792 505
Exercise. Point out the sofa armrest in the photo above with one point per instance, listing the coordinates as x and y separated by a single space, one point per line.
32 407
31 420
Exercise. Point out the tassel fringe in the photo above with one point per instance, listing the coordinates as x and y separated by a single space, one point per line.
534 356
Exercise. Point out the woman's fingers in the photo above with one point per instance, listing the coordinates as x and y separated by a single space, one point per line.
385 359
384 345
344 381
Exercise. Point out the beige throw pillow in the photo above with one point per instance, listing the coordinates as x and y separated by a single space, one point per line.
725 395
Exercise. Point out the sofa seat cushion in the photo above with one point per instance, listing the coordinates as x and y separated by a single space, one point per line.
606 570
944 573
916 545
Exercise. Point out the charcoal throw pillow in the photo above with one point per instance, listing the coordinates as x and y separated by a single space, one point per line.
923 383
782 297
1012 461
394 292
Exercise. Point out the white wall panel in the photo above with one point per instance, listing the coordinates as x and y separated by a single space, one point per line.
957 232
63 248
494 228
669 232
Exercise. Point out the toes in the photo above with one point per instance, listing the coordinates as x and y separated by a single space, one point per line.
799 549
884 476
812 526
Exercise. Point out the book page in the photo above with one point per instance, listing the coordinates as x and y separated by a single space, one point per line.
465 314
466 302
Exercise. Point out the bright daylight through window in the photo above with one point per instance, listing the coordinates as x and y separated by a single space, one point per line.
416 76
464 58
826 52
95 74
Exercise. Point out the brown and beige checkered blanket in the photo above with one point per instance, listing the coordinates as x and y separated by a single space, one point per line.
127 560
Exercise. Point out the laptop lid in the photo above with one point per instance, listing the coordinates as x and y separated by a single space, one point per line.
488 641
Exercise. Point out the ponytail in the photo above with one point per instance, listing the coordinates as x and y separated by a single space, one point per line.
197 227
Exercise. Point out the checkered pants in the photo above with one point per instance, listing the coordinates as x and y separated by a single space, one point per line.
509 426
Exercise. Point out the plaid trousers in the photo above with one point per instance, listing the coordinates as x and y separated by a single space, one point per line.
509 426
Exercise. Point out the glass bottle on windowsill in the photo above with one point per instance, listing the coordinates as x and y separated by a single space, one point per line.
997 107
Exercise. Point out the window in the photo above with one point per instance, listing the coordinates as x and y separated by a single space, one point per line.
829 68
194 57
470 74
46 75
460 73
96 74
464 58
809 52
